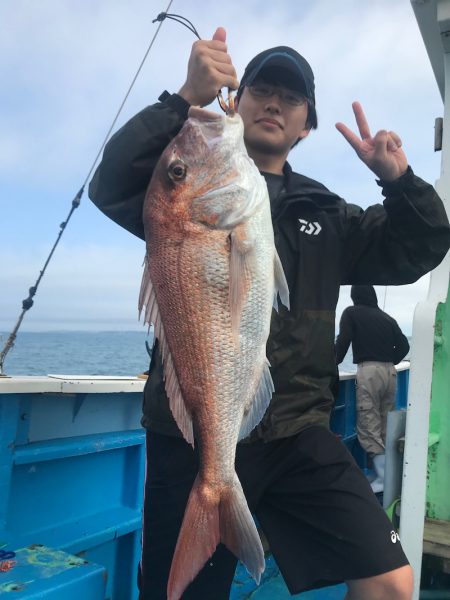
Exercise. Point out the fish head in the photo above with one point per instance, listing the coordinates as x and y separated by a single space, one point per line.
205 175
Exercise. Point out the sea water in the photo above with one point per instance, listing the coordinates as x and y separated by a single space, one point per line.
87 353
78 353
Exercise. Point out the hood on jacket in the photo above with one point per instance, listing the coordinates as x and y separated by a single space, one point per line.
364 294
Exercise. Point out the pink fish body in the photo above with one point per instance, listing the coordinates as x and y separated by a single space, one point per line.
209 283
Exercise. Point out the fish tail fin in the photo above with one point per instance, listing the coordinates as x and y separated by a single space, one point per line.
238 530
198 538
211 518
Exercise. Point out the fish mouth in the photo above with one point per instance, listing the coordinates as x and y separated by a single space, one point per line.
216 128
201 114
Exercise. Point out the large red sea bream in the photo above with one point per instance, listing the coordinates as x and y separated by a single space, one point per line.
210 280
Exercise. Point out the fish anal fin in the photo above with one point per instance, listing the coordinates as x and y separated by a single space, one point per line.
258 406
241 256
149 305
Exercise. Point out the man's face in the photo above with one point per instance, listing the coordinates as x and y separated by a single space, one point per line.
273 122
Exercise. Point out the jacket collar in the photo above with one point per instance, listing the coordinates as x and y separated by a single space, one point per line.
299 188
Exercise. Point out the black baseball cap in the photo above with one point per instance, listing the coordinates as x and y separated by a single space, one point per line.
284 65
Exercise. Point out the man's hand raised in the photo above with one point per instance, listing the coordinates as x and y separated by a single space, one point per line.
209 70
382 153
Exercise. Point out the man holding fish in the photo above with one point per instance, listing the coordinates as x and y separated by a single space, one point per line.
181 178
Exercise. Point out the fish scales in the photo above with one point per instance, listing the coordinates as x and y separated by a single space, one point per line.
208 286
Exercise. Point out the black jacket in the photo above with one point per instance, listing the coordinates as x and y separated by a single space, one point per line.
322 241
374 335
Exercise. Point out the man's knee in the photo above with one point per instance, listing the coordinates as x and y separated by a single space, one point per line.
395 585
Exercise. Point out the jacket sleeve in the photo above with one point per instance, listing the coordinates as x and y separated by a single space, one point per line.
401 344
121 179
397 243
344 338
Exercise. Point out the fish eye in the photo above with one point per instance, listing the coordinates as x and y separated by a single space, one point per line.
177 170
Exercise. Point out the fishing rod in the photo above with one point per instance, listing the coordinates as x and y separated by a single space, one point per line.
28 302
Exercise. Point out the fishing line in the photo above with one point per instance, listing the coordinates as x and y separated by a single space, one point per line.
227 108
179 19
28 302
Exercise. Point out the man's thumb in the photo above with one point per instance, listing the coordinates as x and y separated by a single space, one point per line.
220 35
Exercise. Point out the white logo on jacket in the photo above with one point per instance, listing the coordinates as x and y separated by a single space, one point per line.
310 227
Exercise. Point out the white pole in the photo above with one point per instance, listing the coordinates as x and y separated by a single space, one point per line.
412 512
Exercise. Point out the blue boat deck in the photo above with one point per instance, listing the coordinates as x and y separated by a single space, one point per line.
72 462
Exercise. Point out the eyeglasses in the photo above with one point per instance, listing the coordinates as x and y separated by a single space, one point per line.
265 90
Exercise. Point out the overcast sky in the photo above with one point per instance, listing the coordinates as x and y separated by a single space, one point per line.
66 65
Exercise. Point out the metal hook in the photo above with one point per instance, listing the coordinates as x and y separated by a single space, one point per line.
228 106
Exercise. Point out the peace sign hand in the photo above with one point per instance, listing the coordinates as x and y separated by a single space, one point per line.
382 153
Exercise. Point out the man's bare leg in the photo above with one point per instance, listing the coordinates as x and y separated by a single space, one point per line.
394 585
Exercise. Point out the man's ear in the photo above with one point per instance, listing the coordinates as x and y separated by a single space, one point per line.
304 133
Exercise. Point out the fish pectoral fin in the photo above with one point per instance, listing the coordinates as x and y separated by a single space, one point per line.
145 293
241 257
259 404
238 530
147 300
281 285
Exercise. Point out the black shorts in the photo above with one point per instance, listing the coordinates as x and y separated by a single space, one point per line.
315 506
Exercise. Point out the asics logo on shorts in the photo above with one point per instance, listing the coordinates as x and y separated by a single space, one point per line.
394 537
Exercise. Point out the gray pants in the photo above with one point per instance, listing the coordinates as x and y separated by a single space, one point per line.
376 384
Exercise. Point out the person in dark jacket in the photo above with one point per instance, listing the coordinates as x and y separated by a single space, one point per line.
378 344
321 518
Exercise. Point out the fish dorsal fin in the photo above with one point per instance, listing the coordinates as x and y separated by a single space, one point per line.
147 299
241 256
281 285
259 404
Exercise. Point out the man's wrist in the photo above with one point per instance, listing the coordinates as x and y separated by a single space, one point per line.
397 183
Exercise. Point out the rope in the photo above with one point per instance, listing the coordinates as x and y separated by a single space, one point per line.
28 302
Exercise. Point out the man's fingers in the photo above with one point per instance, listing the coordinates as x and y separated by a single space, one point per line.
215 45
386 140
220 35
218 64
215 54
380 143
361 120
351 137
217 51
396 138
391 145
227 78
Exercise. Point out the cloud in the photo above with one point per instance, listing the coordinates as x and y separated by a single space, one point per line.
85 287
97 286
68 65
